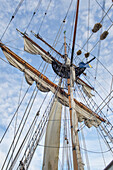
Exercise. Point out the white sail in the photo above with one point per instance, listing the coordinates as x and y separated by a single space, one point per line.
76 141
45 85
32 48
52 138
86 88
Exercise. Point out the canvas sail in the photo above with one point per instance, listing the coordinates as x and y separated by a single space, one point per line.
52 138
33 48
44 84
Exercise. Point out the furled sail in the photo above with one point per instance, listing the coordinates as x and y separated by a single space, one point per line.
52 138
33 48
86 88
44 84
62 70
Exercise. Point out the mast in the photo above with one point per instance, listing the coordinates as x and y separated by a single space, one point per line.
77 160
70 109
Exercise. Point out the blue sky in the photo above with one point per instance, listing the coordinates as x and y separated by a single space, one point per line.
11 78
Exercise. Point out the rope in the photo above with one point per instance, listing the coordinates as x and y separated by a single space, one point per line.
19 128
36 136
34 13
17 108
16 10
61 27
101 148
25 138
88 21
96 59
103 136
4 60
104 10
110 91
17 116
44 16
71 31
93 33
14 115
61 147
98 55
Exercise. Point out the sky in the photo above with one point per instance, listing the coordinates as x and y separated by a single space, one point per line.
12 81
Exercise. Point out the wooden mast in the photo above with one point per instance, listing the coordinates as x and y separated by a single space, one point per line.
70 96
75 164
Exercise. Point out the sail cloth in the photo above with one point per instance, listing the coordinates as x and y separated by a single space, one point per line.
83 115
44 84
52 138
62 70
33 48
86 88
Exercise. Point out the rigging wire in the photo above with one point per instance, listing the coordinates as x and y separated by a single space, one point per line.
15 126
98 55
29 133
61 27
88 22
61 147
96 59
14 115
101 148
93 33
97 80
32 126
34 13
20 126
107 131
104 10
4 60
37 136
106 143
44 16
110 92
17 107
16 10
102 87
71 31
